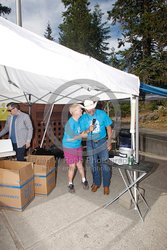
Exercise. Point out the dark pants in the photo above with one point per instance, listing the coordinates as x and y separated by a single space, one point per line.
20 152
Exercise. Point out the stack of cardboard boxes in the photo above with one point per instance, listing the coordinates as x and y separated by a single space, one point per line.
21 181
44 173
16 184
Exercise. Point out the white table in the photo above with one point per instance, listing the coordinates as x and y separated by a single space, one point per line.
6 148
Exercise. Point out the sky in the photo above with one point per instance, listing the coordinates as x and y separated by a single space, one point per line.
37 13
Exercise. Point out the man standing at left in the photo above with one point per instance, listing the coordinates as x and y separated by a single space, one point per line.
20 130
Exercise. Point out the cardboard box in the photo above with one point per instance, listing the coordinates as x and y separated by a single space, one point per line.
44 173
16 184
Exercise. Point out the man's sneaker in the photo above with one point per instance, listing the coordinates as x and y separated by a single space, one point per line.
71 188
85 184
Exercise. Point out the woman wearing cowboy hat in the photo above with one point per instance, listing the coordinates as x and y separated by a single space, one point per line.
72 146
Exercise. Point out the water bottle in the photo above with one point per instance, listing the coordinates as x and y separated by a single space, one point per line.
130 160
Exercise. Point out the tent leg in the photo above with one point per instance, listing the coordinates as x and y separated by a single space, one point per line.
134 123
136 147
137 129
47 124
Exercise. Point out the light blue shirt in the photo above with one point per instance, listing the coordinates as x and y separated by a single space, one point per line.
102 121
72 128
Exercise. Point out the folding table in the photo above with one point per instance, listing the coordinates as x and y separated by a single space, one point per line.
143 168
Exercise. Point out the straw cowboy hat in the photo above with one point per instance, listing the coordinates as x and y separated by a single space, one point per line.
89 104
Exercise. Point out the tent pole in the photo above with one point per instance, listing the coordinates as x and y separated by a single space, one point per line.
132 123
108 108
137 129
136 147
132 130
29 104
47 124
18 13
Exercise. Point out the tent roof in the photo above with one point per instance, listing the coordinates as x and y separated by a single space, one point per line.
153 90
33 66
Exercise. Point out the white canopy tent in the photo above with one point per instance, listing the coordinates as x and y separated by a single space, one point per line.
38 66
34 69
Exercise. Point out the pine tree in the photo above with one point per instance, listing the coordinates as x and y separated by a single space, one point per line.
84 31
76 26
48 33
144 27
100 33
4 10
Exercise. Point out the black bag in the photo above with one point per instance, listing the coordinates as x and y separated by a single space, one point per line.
53 150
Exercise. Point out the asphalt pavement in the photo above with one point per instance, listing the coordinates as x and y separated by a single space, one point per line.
65 221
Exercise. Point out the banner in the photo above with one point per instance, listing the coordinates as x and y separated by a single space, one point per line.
3 112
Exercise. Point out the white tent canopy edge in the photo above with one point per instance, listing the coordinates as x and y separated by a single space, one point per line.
38 67
34 69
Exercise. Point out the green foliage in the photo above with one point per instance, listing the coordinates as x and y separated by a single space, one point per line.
153 105
144 27
100 33
76 23
125 109
84 31
48 32
163 103
163 112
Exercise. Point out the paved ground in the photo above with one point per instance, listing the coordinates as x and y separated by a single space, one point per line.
64 221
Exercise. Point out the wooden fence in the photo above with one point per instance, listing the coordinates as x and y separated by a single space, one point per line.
37 117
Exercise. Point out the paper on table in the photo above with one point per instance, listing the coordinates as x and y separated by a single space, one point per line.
119 160
6 145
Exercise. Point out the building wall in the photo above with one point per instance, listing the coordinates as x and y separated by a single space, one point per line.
37 117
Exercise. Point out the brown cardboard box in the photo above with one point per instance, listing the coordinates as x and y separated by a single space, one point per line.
44 173
16 184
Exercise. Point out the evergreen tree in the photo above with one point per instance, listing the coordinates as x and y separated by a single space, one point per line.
4 10
100 33
82 30
48 32
76 26
144 26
